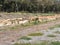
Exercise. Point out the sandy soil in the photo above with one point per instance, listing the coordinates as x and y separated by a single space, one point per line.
7 37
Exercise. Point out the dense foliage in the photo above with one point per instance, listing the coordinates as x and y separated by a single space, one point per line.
43 6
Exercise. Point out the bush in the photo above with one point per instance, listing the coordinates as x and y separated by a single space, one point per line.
36 22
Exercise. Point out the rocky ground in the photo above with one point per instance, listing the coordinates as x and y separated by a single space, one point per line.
8 37
55 36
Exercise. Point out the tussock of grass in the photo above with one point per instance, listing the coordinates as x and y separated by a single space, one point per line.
14 27
36 34
55 43
16 44
25 38
56 26
51 27
51 35
22 44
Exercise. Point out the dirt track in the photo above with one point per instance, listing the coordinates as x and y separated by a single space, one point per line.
6 37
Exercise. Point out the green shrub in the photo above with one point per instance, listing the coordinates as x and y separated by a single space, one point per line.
36 22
